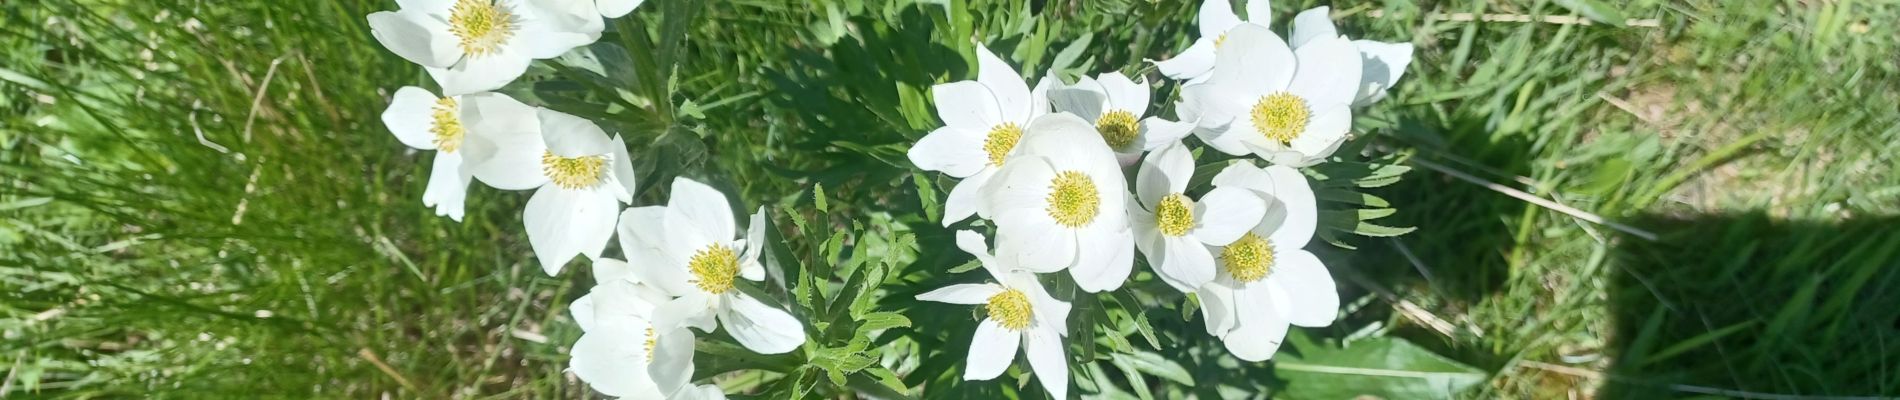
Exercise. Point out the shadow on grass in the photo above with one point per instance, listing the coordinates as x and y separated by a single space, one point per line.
1744 305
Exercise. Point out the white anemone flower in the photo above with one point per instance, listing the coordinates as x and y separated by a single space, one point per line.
1062 203
1266 281
1019 311
1383 62
425 122
585 16
1289 107
983 121
1173 230
580 177
472 45
690 249
1118 107
621 353
1215 19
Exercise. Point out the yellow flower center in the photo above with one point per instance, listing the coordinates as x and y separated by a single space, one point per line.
1175 215
653 339
1218 41
1118 128
1073 201
715 267
1248 259
482 25
574 172
1001 140
447 125
1011 309
1281 116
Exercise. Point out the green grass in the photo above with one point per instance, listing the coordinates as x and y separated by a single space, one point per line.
287 251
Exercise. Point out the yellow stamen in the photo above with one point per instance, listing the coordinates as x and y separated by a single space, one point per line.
1001 139
1281 116
1218 41
1175 215
482 26
1118 128
447 125
1011 309
1073 201
653 339
574 172
714 267
1248 259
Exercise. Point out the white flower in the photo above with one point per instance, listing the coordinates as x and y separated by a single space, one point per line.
690 249
579 174
1174 231
1266 280
584 16
1288 107
472 45
1215 19
701 392
1062 203
1116 106
621 352
983 121
1019 310
1383 63
425 122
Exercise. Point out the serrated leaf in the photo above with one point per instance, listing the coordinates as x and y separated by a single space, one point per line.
888 379
1376 230
1384 367
927 197
818 198
966 267
883 320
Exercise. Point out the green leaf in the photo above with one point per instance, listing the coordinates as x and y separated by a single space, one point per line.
1595 11
1156 365
818 198
883 320
966 267
1378 367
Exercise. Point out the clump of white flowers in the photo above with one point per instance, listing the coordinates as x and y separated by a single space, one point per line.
684 260
1055 190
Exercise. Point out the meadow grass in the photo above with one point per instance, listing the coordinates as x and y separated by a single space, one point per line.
199 199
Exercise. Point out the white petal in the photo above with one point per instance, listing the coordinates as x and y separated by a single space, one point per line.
966 198
618 8
1038 246
971 242
410 116
1226 213
1259 329
570 136
1314 23
692 309
1081 100
1047 360
480 73
610 270
1013 99
1070 143
613 362
1312 300
701 392
1216 17
1187 264
549 28
1192 63
704 207
1297 209
991 350
1383 65
1021 185
416 36
1049 312
957 152
643 239
1328 74
583 311
965 293
967 105
1039 95
1125 94
503 145
760 327
1106 256
1165 171
563 223
749 267
1323 135
1217 308
1260 12
427 6
1254 61
672 365
448 186
1157 132
623 171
